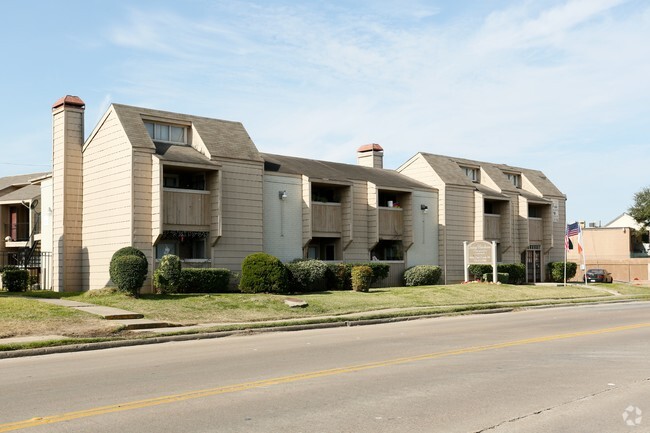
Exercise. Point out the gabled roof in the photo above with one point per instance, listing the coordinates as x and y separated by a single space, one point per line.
447 169
25 193
182 154
11 183
339 172
222 138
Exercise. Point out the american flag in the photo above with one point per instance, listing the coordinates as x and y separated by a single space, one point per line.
572 229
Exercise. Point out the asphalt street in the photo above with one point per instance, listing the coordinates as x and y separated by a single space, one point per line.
574 369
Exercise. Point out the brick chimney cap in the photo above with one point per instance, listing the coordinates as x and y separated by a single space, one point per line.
374 147
73 101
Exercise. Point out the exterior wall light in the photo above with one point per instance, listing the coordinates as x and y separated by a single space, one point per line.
424 208
283 195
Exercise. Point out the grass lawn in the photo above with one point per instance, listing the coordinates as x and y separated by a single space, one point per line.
20 315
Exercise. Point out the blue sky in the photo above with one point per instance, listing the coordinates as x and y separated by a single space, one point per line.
559 86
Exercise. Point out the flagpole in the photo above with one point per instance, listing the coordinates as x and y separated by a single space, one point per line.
566 247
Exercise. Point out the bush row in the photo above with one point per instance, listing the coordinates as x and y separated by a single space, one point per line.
516 272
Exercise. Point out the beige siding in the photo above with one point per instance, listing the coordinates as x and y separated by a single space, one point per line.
215 182
407 219
347 217
359 248
242 201
67 136
459 203
372 214
108 218
479 216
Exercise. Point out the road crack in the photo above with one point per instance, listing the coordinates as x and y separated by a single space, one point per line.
551 408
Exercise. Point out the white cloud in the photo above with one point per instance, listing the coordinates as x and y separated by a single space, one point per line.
317 82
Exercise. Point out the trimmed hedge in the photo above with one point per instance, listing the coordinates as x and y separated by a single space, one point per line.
129 273
309 275
516 272
502 277
341 274
422 275
15 280
167 277
264 273
211 280
361 278
556 271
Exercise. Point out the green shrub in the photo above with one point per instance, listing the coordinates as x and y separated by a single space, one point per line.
168 275
476 271
422 275
341 274
502 277
309 275
516 271
212 280
15 280
361 278
129 273
126 251
262 272
556 271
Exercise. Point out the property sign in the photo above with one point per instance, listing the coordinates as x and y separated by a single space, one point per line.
479 253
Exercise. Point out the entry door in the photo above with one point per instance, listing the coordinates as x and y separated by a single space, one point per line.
13 223
534 266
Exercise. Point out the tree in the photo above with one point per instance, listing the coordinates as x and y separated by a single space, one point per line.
640 210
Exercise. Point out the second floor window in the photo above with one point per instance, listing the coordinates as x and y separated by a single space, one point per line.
166 133
472 173
515 179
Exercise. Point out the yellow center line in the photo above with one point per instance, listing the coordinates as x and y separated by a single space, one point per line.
39 421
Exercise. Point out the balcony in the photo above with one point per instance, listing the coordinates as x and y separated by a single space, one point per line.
535 230
491 227
326 219
186 207
391 223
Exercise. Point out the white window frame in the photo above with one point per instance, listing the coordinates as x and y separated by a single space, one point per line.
472 173
169 127
515 179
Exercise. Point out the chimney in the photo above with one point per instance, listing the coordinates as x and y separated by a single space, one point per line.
67 142
370 155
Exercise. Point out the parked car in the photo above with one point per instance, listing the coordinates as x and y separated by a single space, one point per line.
599 276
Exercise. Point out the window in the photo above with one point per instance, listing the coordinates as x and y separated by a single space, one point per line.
185 245
515 179
389 199
534 211
388 250
472 173
184 180
325 194
323 249
166 133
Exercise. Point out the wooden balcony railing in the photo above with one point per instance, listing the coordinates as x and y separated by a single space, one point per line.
491 227
391 223
326 219
535 230
186 207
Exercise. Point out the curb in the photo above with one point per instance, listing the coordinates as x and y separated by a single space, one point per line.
287 328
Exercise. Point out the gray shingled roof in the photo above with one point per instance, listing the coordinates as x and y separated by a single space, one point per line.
336 171
25 193
224 139
447 169
17 181
184 154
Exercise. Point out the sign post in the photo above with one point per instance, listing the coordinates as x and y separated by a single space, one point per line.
481 253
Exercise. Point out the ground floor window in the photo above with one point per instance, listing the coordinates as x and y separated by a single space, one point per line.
184 244
388 250
323 249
